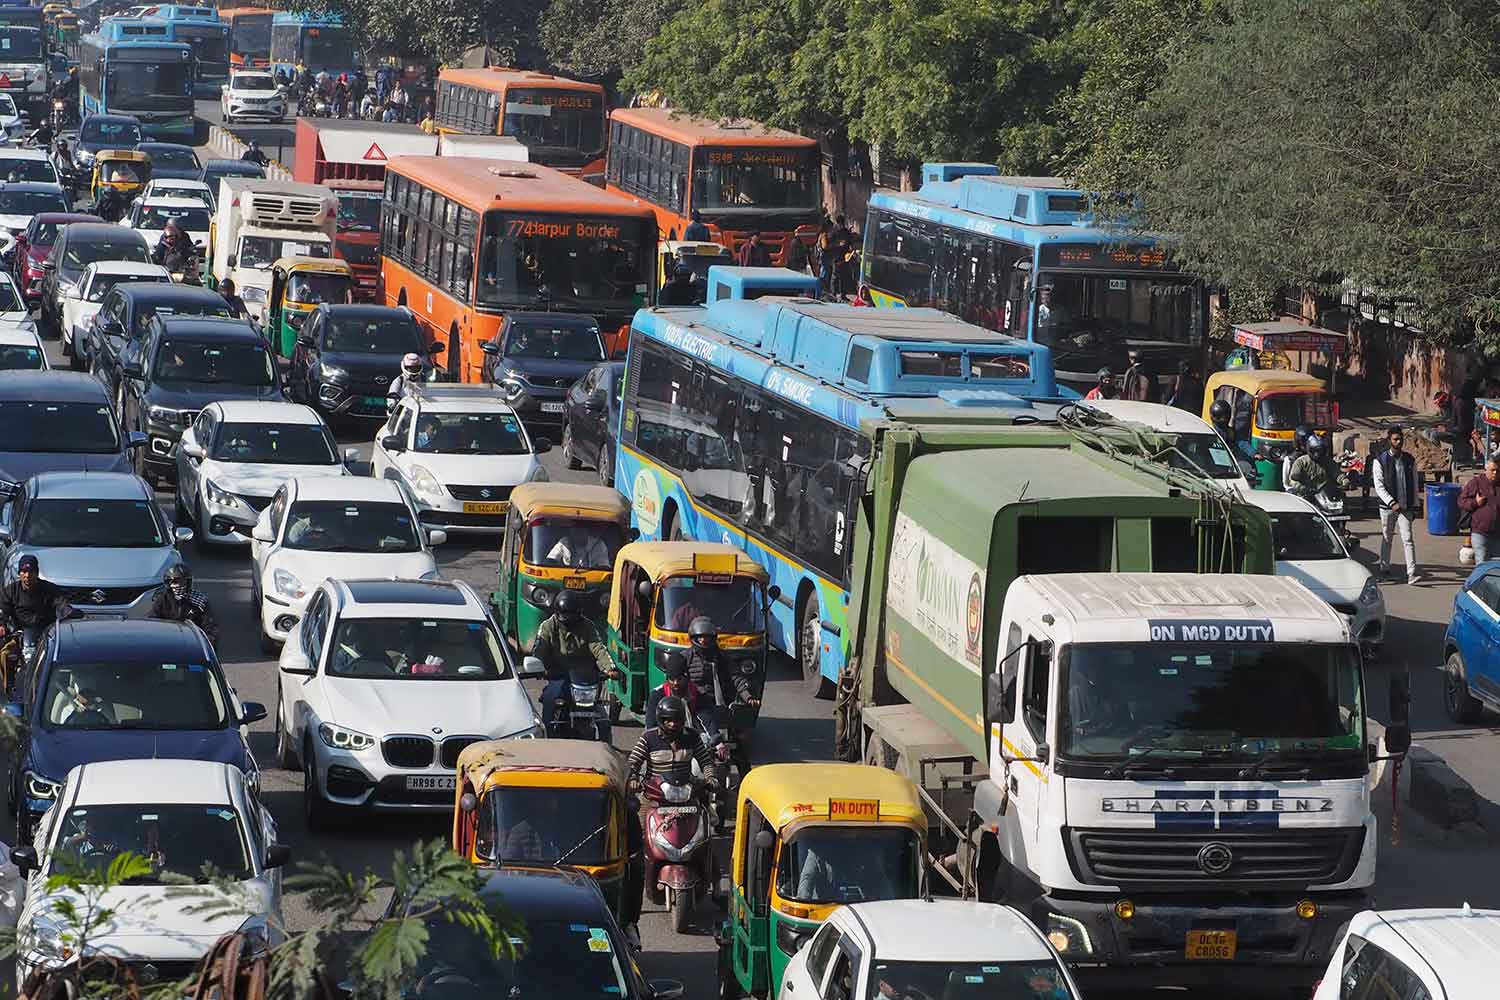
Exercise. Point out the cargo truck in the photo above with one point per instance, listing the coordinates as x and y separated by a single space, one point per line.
1116 725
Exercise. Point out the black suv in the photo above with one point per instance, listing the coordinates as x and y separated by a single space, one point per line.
347 355
183 365
119 327
535 359
100 132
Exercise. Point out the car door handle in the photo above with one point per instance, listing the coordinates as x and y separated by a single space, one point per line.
1015 786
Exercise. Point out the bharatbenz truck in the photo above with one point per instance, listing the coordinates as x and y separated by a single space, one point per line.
1119 721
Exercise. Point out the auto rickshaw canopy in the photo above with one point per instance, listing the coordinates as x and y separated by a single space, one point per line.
479 762
139 162
832 792
661 560
599 503
320 265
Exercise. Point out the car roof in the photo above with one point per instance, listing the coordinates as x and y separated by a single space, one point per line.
1461 946
171 782
267 411
363 310
230 166
465 397
387 598
347 488
162 293
32 187
15 153
949 930
52 387
89 486
557 318
1157 416
181 183
551 895
1279 502
12 334
66 217
104 640
169 201
129 267
104 232
210 329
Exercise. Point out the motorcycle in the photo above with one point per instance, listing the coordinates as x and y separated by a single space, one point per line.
584 714
680 862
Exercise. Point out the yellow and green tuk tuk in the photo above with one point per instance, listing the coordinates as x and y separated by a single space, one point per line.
124 171
298 286
544 804
1267 405
660 587
807 839
558 536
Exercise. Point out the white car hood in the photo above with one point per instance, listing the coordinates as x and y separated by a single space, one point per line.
78 311
14 222
1339 580
475 470
312 568
382 708
261 479
151 922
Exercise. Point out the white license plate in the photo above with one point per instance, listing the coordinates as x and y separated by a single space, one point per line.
430 783
552 407
675 810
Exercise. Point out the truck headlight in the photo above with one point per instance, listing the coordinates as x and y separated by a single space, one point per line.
1068 936
340 738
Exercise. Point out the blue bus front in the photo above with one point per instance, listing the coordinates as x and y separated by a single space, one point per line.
152 81
323 45
209 40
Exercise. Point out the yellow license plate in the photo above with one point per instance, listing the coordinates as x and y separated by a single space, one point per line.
1213 946
576 582
498 507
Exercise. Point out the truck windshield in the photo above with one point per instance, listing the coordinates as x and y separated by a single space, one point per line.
359 211
823 864
18 44
1209 700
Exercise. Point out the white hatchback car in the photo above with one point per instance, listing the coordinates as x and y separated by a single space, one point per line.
149 217
176 187
235 457
80 304
11 122
907 948
27 165
183 816
383 684
251 94
1415 955
458 451
1198 444
322 526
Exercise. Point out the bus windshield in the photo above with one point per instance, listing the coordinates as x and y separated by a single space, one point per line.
1089 311
756 179
251 35
145 82
18 44
210 44
558 119
327 47
590 264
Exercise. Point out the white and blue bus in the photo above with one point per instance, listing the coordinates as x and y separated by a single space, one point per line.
201 28
129 67
740 422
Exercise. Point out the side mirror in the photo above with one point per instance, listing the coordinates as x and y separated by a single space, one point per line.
232 261
1397 739
277 855
436 347
262 532
773 592
491 346
295 664
436 536
192 449
351 456
541 446
645 591
468 802
135 439
254 711
182 535
392 442
23 856
532 666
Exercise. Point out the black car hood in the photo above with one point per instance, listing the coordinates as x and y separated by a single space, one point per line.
548 367
55 752
17 466
175 173
362 366
196 395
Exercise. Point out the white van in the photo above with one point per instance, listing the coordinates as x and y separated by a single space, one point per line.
257 222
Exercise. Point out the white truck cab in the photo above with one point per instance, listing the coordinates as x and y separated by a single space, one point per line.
257 222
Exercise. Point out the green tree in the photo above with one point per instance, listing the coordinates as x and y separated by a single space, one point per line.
602 38
441 29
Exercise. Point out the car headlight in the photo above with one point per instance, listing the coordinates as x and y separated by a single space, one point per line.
535 731
1371 593
539 474
511 388
340 738
252 294
161 415
333 373
287 585
423 481
38 787
219 495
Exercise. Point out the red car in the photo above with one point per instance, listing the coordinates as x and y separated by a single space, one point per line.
34 245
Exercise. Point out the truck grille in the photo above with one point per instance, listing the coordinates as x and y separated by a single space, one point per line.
407 751
1265 858
455 745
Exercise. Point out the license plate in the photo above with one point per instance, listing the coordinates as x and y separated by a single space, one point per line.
1213 946
675 810
372 400
430 783
552 408
497 507
575 582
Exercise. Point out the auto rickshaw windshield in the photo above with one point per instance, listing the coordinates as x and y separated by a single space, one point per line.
737 607
122 173
539 825
577 543
824 864
316 288
1284 411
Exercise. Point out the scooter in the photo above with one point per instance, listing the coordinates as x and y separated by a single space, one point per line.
680 863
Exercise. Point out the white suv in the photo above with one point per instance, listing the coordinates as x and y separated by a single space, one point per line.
252 94
382 685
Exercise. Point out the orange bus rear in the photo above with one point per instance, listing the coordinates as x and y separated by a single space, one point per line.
560 121
740 177
465 240
249 36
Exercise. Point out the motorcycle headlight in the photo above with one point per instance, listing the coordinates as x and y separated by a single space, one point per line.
1371 593
84 156
333 373
287 585
340 738
677 793
585 695
423 481
218 495
38 787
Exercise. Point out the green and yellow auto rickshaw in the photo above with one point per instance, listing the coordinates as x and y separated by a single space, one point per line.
558 536
123 171
298 286
809 838
660 587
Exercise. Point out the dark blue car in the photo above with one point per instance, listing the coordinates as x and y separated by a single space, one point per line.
1472 646
121 690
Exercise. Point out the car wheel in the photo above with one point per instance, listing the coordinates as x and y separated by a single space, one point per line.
1462 706
317 812
605 463
569 455
286 758
200 530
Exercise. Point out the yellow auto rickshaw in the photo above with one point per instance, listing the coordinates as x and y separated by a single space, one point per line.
696 256
558 536
124 171
657 591
545 804
807 839
1268 405
298 286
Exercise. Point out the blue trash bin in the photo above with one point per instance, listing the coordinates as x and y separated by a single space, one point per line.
1442 508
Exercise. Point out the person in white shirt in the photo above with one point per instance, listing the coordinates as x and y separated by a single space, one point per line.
579 549
1395 476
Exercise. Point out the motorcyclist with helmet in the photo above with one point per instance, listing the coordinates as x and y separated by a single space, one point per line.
179 602
564 642
667 751
412 374
676 684
174 249
1309 473
708 668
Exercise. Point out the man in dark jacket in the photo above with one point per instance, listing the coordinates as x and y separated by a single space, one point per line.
679 290
179 602
1395 476
564 642
28 602
696 231
753 254
1478 498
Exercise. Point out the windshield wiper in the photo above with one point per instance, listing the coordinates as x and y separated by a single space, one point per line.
1131 764
1278 758
574 849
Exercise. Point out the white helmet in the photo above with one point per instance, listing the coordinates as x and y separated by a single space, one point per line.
412 364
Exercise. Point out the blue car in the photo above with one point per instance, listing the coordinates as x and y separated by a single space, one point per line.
1471 646
122 690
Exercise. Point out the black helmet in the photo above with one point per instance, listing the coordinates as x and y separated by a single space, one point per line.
1315 445
671 715
567 605
702 628
1219 412
1300 435
676 666
1106 373
179 574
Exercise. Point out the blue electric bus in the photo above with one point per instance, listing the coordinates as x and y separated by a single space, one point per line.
323 44
740 422
201 28
1023 256
130 67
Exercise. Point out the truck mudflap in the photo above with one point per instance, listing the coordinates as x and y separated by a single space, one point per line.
1133 942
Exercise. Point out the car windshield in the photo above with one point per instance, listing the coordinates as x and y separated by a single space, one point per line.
560 960
31 202
20 357
81 253
1304 536
92 524
174 159
1200 700
134 695
1202 454
574 542
359 211
102 283
378 335
9 300
736 608
351 526
193 842
71 428
521 823
167 190
18 169
826 864
7 106
1283 411
113 135
989 980
261 252
554 342
415 649
314 288
191 218
251 81
470 434
275 444
216 361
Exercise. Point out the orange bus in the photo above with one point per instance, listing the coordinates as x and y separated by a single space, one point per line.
559 121
249 36
465 240
741 177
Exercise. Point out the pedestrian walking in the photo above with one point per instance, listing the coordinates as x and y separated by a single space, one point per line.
1185 391
753 253
1479 498
1395 477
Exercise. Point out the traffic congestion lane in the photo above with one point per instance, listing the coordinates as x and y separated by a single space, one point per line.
277 140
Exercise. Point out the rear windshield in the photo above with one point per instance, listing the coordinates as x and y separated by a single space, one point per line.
13 170
238 364
31 202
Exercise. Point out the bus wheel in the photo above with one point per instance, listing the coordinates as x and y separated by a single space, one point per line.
809 642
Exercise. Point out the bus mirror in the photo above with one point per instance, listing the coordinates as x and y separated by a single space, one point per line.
435 348
632 534
468 803
773 593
